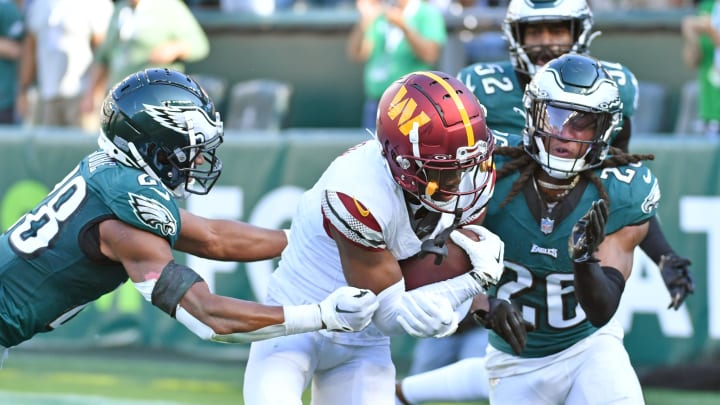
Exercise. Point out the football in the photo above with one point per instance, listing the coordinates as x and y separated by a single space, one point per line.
419 271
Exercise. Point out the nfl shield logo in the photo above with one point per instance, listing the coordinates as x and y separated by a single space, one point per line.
547 225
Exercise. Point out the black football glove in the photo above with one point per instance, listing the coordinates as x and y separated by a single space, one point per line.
677 277
588 233
506 321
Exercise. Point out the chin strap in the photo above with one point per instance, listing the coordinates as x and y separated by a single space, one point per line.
437 245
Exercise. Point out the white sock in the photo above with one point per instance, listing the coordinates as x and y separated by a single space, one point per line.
465 380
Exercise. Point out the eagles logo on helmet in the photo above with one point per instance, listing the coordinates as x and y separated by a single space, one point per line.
141 129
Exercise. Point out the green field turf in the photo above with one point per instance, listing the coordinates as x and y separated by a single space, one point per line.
159 378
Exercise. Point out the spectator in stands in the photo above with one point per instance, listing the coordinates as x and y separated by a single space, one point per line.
393 38
142 34
12 31
58 52
702 52
261 7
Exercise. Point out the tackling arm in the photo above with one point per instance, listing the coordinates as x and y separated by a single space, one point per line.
228 240
179 291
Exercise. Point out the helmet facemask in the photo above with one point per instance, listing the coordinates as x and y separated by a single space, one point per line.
572 15
574 108
567 140
436 181
199 179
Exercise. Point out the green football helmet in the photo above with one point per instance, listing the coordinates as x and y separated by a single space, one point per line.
521 13
162 122
569 96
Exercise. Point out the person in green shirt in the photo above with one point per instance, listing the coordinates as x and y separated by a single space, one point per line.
144 34
701 33
394 38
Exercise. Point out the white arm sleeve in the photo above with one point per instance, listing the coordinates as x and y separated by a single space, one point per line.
458 289
298 319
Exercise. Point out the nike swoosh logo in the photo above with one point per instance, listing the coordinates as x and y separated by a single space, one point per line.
343 311
364 212
162 194
497 257
647 177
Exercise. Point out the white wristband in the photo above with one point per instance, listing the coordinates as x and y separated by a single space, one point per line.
302 318
457 289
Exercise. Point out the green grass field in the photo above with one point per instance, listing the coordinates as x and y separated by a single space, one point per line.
160 378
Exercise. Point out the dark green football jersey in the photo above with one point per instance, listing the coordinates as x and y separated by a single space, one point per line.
50 262
496 86
538 272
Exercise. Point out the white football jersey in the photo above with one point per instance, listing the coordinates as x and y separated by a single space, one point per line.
310 268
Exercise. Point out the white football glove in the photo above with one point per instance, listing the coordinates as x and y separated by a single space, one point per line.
348 309
424 314
486 254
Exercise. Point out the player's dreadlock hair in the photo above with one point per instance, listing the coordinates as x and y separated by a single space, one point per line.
526 166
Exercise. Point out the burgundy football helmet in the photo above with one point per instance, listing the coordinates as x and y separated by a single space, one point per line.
438 148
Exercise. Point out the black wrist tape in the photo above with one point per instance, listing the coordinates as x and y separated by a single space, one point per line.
173 283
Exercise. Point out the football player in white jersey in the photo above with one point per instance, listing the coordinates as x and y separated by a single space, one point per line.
428 170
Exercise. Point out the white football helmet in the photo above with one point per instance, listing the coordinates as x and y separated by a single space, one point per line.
569 95
521 13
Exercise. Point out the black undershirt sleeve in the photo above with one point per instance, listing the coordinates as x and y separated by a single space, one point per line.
599 290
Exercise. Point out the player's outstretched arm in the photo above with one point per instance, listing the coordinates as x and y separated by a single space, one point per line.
183 294
228 240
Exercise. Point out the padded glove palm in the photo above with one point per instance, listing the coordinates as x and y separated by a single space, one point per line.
507 321
677 277
588 233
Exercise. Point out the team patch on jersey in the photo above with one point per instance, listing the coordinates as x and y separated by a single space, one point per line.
153 214
653 198
352 220
544 251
